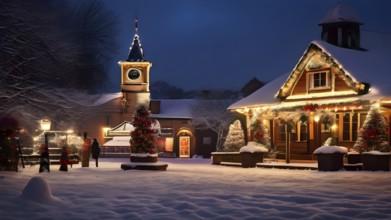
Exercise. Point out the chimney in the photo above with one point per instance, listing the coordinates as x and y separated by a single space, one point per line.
154 106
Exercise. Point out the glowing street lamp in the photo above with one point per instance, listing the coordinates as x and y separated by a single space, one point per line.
45 124
106 131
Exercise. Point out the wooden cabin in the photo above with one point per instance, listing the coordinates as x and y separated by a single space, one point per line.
328 93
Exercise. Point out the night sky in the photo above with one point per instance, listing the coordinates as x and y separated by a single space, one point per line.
222 44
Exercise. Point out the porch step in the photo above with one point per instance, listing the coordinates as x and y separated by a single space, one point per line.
353 167
281 156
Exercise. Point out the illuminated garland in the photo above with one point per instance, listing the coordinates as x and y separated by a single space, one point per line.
314 107
291 115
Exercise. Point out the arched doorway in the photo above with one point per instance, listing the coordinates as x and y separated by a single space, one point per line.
185 142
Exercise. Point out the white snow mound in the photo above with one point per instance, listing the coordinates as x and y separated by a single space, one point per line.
253 147
331 150
38 190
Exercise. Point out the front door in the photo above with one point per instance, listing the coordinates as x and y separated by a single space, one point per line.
184 146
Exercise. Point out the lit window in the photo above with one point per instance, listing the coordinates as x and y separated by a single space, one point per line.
281 132
350 127
346 127
319 80
303 131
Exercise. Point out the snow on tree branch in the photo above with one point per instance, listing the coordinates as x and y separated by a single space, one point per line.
213 114
45 70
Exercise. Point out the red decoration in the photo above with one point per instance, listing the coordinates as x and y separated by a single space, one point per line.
310 107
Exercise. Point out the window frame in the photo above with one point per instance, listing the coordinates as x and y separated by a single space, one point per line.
352 126
311 84
303 131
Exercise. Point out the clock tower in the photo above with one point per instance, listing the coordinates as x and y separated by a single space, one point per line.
135 76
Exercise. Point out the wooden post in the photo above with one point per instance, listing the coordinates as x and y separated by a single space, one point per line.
44 165
20 150
287 143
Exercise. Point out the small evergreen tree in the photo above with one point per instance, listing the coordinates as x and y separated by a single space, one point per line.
261 134
373 133
235 137
143 137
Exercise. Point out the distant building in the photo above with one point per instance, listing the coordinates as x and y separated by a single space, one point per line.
251 86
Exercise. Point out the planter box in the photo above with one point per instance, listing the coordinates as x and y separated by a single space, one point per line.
251 159
144 158
376 162
232 157
354 158
330 162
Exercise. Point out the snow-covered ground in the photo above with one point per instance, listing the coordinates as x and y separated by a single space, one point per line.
193 189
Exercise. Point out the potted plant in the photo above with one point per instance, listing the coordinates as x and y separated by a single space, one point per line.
330 158
251 154
372 142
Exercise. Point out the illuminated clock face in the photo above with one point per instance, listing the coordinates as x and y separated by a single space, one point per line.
134 74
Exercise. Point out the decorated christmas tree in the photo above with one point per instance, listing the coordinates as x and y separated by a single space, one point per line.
235 137
143 137
373 133
260 133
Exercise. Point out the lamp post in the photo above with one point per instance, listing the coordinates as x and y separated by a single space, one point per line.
17 138
44 164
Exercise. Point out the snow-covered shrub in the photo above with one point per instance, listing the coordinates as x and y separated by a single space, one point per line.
73 142
235 138
260 132
331 141
252 147
331 149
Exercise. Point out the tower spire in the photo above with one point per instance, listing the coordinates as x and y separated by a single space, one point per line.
136 25
136 53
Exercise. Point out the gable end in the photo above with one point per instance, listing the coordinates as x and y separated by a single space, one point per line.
316 75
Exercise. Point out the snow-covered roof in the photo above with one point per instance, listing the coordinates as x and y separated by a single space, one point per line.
176 108
122 129
119 141
104 98
366 66
264 95
191 108
341 13
370 66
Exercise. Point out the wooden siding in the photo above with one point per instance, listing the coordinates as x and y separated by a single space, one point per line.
301 85
339 84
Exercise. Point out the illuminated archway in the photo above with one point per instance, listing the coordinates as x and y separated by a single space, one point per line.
184 138
184 131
